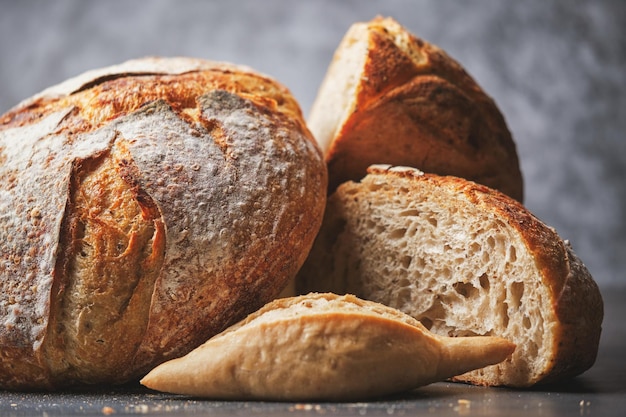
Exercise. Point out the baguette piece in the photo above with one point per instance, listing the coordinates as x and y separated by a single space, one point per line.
323 347
143 208
389 97
464 260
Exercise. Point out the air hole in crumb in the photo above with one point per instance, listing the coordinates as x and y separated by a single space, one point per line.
474 248
465 289
428 323
526 322
504 313
517 291
406 261
512 254
397 233
491 242
484 281
404 282
462 333
432 221
409 213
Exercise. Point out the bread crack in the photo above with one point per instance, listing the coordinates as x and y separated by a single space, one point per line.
113 248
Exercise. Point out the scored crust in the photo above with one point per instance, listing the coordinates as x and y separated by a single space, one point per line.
465 260
146 207
391 98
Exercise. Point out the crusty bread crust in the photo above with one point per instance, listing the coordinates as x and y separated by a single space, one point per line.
534 290
323 347
146 207
392 98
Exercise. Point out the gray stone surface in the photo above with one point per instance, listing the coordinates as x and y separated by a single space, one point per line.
556 68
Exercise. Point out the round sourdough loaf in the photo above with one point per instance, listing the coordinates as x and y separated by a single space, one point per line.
144 208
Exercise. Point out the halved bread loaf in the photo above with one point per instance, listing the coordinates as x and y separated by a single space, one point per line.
464 260
390 97
323 347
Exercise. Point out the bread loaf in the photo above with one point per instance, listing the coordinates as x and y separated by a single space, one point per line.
389 97
465 260
144 208
323 347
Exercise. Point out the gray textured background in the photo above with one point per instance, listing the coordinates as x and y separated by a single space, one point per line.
557 69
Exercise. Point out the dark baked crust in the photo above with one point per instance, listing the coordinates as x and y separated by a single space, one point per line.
152 204
421 109
580 309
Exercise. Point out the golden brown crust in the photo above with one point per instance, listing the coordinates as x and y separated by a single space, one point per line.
97 100
416 106
580 309
161 200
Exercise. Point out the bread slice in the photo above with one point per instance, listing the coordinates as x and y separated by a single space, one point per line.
464 260
323 347
390 97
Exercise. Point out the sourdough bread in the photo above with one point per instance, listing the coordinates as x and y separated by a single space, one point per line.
465 260
144 208
323 347
389 97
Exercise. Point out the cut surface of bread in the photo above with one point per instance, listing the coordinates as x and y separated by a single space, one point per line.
390 97
464 260
323 347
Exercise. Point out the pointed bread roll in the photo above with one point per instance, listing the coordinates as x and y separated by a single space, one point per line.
323 347
464 260
390 97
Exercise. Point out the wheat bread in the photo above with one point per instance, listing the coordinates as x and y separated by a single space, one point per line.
465 260
323 347
389 97
145 207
